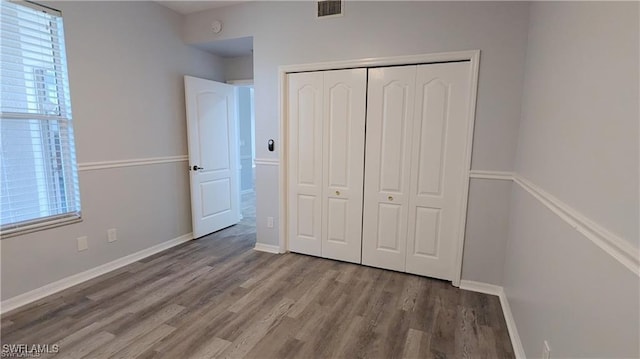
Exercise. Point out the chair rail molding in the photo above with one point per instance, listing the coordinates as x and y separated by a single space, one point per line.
496 175
101 165
623 251
267 161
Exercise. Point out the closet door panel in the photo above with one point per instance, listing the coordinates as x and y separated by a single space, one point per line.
305 161
390 107
343 166
441 125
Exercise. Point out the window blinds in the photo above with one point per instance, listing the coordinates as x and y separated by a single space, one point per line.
39 182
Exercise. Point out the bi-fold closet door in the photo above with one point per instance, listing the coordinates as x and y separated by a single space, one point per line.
326 162
405 213
418 121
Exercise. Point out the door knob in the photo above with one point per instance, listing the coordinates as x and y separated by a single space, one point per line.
390 198
195 168
337 193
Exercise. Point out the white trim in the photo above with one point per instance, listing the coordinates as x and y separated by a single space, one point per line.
267 161
90 166
269 248
481 287
492 289
380 61
472 55
62 284
496 175
615 246
283 90
623 251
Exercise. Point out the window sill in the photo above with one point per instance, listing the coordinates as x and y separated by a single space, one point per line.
37 227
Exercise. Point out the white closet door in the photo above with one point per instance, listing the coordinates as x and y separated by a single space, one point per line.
390 107
305 161
441 123
343 149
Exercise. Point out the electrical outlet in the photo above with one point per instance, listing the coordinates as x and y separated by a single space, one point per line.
112 235
83 245
270 222
546 352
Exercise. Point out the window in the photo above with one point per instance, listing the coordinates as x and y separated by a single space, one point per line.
39 180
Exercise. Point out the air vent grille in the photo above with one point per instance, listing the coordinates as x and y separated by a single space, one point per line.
329 8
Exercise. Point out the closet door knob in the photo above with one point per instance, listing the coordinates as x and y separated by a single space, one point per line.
390 198
337 193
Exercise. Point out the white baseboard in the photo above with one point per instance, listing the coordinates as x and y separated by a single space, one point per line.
506 310
57 286
481 287
267 248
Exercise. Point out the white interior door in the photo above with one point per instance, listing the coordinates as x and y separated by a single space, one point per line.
390 106
441 125
343 163
305 162
213 155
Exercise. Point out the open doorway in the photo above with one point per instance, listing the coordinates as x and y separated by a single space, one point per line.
235 56
246 149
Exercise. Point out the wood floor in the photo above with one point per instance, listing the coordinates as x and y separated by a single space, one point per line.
217 297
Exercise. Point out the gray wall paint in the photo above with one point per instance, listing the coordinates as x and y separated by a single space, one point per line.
288 33
579 141
487 230
238 68
126 63
563 288
579 133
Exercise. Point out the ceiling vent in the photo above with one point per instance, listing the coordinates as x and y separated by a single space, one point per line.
330 8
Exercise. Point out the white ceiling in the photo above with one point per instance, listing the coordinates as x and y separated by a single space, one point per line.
242 46
188 7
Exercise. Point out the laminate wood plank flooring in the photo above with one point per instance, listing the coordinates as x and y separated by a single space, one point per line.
215 297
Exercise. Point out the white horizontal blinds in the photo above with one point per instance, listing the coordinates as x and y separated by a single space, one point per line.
39 182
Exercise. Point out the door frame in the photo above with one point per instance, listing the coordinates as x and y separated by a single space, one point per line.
471 55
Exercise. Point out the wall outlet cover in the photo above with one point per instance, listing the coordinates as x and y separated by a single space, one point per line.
112 235
546 353
83 244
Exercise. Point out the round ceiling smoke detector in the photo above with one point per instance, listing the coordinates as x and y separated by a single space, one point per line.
216 26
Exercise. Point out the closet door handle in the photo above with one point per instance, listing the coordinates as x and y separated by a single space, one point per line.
337 193
390 198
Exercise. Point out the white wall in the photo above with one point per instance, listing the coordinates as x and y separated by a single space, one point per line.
578 140
288 33
126 62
